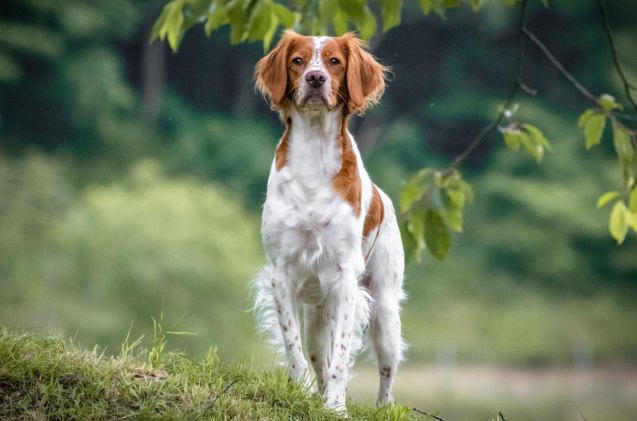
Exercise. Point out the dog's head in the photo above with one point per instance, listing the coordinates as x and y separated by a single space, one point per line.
320 73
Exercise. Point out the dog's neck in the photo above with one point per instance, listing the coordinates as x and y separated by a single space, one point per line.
316 125
315 142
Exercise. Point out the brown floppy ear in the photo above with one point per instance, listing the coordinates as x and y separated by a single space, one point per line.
271 72
365 76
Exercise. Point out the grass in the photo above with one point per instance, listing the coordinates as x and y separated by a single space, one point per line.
52 378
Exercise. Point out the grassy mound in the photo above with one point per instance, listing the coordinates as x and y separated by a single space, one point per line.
54 379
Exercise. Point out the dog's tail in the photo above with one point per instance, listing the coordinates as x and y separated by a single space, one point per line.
364 304
265 309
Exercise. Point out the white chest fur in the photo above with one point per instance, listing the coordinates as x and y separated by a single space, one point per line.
306 223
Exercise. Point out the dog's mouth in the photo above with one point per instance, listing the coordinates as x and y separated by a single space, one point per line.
314 98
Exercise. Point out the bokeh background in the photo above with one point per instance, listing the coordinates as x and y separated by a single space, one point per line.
131 180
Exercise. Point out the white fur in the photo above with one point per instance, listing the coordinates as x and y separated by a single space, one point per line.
316 261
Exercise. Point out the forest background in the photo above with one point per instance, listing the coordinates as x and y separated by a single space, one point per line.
131 180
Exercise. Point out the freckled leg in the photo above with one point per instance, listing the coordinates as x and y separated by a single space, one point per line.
288 315
385 335
317 342
340 312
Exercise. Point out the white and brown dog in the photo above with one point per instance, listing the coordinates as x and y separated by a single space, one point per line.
335 257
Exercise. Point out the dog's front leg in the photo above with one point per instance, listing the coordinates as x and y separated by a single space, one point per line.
287 308
340 313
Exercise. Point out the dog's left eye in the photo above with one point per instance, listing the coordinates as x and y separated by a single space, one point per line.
334 61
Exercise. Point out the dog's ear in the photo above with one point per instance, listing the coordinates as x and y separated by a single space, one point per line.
271 72
365 76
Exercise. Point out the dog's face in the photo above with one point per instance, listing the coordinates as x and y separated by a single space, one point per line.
316 73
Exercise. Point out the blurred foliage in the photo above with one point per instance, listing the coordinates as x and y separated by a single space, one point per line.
125 252
108 217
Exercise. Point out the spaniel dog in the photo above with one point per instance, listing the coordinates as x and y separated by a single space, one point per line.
335 258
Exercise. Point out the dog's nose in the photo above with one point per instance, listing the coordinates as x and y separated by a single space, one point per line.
316 78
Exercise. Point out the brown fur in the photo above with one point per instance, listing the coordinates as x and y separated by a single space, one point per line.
347 182
375 213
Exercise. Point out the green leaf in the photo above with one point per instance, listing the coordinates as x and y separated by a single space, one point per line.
512 139
510 3
361 15
593 129
174 25
476 5
269 35
410 245
390 11
537 136
367 26
326 11
285 15
617 224
453 203
608 103
427 6
260 21
537 151
623 147
414 189
416 228
340 22
586 115
158 26
217 16
633 200
411 193
606 197
238 20
437 236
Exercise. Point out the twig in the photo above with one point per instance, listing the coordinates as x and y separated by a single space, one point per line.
580 411
427 414
512 91
559 66
214 400
613 50
501 416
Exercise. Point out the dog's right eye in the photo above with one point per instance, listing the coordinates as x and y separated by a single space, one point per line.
297 61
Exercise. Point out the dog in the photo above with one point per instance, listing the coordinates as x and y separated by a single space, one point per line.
335 260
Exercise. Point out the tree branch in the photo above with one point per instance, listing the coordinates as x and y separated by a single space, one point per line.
555 62
517 83
427 414
613 50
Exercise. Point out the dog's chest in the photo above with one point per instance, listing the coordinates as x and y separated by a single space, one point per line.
304 217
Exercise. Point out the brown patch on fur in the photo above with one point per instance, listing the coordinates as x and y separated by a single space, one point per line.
385 371
365 281
347 182
281 157
365 75
375 213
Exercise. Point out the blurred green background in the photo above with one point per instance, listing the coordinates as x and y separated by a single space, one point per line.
131 181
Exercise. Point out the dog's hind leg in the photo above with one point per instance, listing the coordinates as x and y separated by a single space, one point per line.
385 277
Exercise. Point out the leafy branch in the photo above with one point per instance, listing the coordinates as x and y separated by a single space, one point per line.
593 122
432 201
623 216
